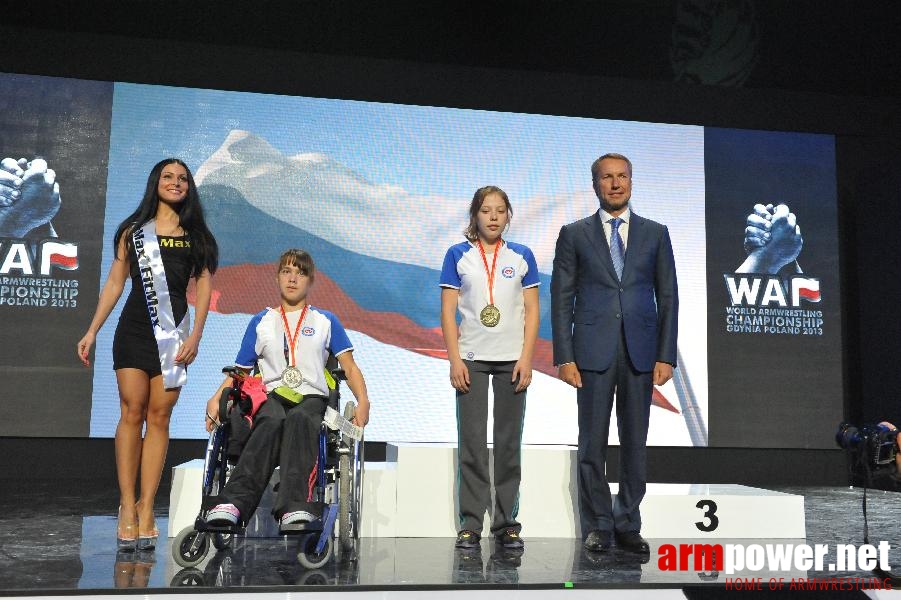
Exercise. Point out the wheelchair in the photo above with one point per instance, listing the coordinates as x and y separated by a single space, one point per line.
339 481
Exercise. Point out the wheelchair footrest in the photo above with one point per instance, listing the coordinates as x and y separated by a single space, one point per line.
202 526
301 527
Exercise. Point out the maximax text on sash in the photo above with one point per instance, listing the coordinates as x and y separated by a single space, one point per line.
147 278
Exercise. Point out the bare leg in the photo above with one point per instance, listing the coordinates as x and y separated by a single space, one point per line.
134 396
123 571
156 443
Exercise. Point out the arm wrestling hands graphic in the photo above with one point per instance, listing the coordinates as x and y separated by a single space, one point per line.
29 196
772 240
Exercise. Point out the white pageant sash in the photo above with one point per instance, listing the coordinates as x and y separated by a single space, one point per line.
169 336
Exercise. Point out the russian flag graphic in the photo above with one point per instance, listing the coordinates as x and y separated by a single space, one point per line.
377 269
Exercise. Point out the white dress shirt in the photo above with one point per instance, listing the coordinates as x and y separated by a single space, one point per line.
623 227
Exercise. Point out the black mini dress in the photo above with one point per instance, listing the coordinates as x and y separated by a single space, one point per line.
134 346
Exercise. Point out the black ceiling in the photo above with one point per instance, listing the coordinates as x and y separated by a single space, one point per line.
835 47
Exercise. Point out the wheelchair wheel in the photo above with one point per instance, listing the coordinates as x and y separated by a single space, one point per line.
357 471
190 547
347 498
313 578
222 541
307 555
345 505
187 578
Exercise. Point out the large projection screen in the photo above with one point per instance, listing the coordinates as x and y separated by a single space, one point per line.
377 193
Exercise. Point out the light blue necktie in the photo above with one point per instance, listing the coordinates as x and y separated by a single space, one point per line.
617 248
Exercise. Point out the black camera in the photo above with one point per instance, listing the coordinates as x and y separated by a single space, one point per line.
875 442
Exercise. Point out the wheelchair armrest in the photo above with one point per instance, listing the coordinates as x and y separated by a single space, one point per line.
223 404
339 374
233 371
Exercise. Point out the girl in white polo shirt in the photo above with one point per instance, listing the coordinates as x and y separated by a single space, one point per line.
290 345
494 285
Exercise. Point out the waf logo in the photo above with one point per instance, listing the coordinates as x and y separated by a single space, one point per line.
307 331
763 290
16 256
508 272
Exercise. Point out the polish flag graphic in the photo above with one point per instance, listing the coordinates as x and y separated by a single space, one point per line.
807 288
60 255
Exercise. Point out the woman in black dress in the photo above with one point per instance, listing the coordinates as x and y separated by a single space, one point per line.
160 246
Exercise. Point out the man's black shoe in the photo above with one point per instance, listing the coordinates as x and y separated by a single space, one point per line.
632 541
598 541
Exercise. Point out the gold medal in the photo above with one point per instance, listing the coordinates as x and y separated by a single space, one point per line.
490 316
292 377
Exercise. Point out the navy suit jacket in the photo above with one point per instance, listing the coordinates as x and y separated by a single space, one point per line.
590 306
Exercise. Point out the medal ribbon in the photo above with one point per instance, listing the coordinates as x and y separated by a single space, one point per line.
497 250
292 339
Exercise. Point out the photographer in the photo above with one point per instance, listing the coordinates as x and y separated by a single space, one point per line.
874 448
897 444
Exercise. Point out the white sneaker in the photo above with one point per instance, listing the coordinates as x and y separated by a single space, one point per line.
297 516
223 514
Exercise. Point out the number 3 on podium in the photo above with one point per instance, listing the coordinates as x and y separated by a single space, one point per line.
709 514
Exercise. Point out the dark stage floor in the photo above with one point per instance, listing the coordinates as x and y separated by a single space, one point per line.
57 538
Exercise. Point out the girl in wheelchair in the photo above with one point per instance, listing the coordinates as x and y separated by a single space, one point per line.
290 346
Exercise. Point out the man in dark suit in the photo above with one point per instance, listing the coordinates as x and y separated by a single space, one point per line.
614 307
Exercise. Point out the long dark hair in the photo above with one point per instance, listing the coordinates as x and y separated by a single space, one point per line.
472 230
204 250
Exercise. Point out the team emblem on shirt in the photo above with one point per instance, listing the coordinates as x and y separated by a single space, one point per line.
508 272
307 331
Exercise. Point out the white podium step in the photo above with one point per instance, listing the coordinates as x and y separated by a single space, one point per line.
184 497
426 476
413 494
720 511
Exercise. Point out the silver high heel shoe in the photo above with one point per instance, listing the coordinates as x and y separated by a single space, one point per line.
125 536
146 541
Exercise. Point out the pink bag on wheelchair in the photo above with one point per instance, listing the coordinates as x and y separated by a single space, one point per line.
253 394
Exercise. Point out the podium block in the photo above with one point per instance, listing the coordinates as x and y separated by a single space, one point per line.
427 497
413 494
426 476
184 497
379 516
720 511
